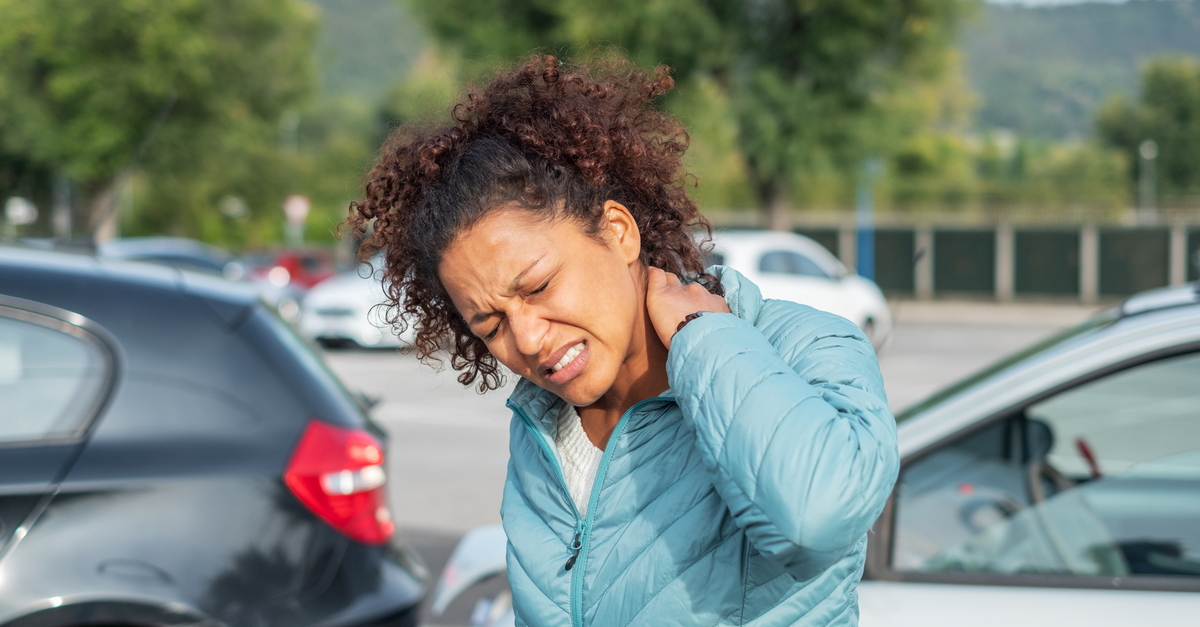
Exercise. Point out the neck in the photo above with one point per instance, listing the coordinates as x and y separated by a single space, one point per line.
643 376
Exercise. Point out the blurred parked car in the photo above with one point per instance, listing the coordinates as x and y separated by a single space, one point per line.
179 252
1060 486
285 276
302 268
171 453
345 311
792 267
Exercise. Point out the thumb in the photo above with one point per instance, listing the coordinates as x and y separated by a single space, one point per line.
658 278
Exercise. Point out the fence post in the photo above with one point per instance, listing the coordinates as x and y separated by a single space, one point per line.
1089 264
1005 261
923 267
847 249
1178 255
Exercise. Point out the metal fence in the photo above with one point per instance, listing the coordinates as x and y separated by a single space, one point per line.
1086 262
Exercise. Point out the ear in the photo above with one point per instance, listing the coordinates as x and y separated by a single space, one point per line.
622 231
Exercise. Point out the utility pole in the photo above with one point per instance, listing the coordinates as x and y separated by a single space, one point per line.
864 217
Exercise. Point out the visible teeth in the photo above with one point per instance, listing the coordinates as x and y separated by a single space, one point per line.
569 357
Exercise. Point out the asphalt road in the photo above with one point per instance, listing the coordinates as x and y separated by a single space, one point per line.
448 448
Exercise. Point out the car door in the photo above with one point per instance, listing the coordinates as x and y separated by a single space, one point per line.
1079 507
54 376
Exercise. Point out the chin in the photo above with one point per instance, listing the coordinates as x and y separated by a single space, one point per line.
579 393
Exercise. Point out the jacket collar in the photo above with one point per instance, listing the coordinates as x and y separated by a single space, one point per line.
541 405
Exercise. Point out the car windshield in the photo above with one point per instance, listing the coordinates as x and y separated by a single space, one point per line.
1099 320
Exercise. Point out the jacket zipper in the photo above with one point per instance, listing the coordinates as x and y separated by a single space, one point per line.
579 546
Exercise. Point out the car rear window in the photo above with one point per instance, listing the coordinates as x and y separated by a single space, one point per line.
51 377
301 368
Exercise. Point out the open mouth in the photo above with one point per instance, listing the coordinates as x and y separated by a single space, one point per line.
568 366
568 357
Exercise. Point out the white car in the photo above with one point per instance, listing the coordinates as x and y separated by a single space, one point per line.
787 266
1061 486
345 310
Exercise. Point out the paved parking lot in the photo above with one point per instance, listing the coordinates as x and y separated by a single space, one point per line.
449 445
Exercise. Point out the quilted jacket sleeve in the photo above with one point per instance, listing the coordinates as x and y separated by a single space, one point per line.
792 423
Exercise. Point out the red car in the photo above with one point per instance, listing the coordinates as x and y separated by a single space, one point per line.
299 269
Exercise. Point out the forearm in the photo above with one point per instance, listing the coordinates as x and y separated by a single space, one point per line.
801 447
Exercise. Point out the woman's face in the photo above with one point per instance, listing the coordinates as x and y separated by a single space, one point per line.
554 304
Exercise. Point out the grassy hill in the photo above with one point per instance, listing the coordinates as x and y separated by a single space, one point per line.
1043 71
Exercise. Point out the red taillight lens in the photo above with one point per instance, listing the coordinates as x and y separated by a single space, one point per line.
338 474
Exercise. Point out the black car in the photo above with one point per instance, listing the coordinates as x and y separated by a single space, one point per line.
172 454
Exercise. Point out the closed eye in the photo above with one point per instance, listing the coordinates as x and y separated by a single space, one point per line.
540 289
491 335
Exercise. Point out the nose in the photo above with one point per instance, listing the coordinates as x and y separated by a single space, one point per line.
528 329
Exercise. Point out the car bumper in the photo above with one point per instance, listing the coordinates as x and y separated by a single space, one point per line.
371 587
346 328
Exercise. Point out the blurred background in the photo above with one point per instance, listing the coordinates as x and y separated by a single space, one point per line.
1065 131
1000 170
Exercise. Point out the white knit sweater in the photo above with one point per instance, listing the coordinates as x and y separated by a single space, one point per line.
580 458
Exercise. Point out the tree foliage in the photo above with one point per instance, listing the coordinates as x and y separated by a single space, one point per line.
1167 112
181 90
808 81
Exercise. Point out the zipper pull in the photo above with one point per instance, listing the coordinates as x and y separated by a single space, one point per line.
576 546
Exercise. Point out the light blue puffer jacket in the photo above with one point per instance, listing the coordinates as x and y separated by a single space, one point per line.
743 499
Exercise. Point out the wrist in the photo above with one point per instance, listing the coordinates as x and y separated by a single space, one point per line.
692 316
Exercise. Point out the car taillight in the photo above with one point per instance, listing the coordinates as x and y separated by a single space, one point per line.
338 474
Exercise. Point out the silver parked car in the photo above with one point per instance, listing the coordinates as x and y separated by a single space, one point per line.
1060 486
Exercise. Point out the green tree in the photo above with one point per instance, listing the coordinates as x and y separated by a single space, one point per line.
808 82
183 91
1168 112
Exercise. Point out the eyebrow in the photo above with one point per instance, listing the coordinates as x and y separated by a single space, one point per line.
512 287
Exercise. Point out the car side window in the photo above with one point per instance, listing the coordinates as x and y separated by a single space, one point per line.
788 262
1102 479
50 380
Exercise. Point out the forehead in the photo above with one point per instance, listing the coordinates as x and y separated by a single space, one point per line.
482 263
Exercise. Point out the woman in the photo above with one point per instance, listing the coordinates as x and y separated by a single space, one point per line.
683 452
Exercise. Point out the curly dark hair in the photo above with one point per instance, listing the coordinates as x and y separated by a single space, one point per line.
553 139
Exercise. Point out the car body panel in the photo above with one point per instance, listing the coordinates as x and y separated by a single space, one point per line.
894 604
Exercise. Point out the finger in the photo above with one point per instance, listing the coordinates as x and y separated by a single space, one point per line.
657 280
